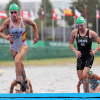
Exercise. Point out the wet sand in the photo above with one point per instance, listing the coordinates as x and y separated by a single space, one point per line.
46 79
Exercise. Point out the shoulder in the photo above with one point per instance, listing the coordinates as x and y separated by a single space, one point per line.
28 21
96 76
7 21
92 33
5 24
74 32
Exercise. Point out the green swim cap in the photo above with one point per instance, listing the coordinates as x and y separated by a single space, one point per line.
13 6
90 72
80 19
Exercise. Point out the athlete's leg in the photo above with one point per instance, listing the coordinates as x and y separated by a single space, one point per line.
80 74
23 71
24 76
13 53
80 68
88 65
85 79
18 59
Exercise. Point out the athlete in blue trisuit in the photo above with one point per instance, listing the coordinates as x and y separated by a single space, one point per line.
23 88
94 83
84 54
18 46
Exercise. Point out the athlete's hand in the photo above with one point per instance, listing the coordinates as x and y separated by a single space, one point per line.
92 52
78 54
35 40
9 37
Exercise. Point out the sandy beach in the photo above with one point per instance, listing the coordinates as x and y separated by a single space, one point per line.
46 79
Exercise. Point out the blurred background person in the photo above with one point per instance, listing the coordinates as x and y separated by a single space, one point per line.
94 83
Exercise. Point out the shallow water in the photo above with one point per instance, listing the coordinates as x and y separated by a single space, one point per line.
46 79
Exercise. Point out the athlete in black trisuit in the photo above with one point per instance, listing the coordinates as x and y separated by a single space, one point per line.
84 45
84 54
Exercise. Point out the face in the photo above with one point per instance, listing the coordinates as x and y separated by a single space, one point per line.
14 14
81 26
89 75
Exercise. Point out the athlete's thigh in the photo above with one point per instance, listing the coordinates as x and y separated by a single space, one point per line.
86 71
88 65
13 53
80 64
21 52
80 67
89 61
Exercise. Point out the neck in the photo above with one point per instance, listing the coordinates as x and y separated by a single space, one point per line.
83 30
14 19
91 76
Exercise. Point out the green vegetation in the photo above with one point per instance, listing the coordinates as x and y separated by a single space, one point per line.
42 62
48 62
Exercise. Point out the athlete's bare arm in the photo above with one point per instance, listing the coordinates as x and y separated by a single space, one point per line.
96 77
12 86
73 36
30 85
2 28
28 21
97 39
72 40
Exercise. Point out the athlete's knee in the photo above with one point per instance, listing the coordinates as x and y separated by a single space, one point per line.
17 62
85 75
22 65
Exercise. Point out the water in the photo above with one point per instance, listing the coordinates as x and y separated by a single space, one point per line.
46 79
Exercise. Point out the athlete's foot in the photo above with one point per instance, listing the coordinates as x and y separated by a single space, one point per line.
17 87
